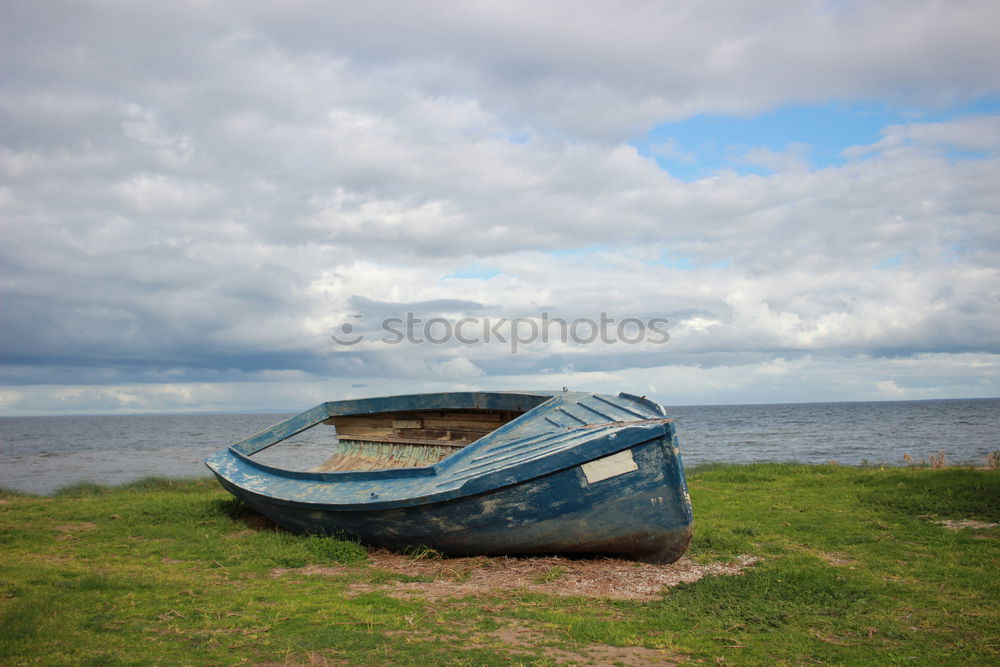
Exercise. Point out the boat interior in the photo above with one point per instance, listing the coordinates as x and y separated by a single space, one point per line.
404 439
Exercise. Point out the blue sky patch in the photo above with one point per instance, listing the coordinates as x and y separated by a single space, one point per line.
673 261
815 135
891 262
474 273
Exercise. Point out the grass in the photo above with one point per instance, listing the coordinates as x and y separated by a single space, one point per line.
853 569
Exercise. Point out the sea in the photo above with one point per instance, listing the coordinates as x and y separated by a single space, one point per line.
43 454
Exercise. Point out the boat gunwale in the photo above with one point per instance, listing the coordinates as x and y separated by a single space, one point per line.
424 471
488 483
381 473
636 432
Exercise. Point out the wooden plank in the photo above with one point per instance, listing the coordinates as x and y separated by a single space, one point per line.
462 415
363 430
413 421
408 434
467 416
420 426
368 455
462 424
438 434
457 444
365 420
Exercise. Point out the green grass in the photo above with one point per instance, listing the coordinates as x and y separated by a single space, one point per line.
853 569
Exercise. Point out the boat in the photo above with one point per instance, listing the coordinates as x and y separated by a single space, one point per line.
491 473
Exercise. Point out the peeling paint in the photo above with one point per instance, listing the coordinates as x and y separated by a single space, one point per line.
575 473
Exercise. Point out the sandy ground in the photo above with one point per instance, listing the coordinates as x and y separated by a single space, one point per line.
459 577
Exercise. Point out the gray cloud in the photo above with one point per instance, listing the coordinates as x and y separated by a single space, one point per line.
202 192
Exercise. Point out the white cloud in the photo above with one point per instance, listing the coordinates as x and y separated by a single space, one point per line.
198 193
976 133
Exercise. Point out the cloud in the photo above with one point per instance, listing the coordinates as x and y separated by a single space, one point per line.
199 194
781 379
977 133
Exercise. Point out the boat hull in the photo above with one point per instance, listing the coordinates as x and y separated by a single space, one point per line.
642 513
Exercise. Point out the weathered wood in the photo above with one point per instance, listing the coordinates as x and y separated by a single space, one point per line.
363 430
423 427
377 455
409 435
490 418
405 441
463 424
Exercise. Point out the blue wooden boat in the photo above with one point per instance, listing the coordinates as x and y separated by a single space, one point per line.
481 473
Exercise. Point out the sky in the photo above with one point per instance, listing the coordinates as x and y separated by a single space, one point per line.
252 206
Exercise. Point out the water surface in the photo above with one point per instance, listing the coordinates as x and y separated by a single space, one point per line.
42 454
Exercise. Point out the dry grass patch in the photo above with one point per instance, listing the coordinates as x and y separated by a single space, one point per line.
459 577
959 524
521 640
836 558
72 527
311 570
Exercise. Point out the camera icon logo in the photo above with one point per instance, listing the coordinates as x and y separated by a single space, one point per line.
345 334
